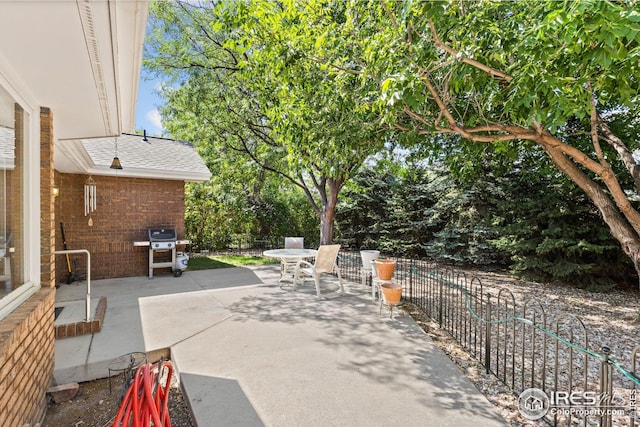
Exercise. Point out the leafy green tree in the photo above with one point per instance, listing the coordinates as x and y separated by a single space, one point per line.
551 233
516 74
362 215
208 216
460 218
247 203
248 85
530 220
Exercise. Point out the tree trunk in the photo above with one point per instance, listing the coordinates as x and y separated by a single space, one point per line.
326 227
327 216
619 226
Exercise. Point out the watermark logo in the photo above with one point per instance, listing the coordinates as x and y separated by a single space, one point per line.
533 404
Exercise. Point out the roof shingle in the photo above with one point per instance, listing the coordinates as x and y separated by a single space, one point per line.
159 158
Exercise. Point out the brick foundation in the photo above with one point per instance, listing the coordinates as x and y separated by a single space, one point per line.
26 360
84 328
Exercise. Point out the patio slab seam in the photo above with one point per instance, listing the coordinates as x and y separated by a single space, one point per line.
200 332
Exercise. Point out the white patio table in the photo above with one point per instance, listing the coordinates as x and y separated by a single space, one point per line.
290 255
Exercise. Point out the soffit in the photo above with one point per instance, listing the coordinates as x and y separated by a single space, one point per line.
80 58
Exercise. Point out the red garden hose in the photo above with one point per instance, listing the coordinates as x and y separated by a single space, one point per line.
146 401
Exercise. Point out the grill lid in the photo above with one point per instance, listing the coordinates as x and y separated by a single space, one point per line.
162 235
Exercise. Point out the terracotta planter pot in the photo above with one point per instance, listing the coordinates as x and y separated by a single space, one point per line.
391 293
385 268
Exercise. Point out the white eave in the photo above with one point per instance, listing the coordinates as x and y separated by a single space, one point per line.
80 58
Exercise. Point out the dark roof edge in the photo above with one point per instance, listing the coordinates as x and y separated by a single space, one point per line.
159 137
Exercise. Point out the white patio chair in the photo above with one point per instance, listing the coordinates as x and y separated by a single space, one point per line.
325 263
375 282
294 242
288 266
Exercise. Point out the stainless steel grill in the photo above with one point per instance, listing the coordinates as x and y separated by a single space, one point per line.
162 246
162 249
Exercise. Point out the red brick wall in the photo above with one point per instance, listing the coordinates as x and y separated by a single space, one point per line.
27 333
126 208
26 360
47 207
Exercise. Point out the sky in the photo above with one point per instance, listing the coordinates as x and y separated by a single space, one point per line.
147 115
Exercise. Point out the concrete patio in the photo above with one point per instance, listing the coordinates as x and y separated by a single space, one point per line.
252 353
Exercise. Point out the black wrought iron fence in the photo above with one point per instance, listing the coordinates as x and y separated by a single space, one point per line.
244 245
547 362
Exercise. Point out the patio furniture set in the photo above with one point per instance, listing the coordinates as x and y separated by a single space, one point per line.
296 266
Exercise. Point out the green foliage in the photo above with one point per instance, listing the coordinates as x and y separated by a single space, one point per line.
537 224
217 212
252 85
284 212
422 211
554 52
363 211
308 90
207 217
551 232
480 77
464 211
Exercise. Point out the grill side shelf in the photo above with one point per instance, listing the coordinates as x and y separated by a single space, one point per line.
147 243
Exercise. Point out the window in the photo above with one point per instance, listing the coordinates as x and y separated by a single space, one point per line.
13 130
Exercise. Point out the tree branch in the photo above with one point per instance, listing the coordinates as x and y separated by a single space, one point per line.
457 54
606 173
594 128
265 166
389 14
186 8
622 230
317 209
623 151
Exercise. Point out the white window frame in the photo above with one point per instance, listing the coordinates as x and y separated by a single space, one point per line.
31 194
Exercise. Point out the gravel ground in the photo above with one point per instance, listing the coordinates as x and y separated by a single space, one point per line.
610 319
93 406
